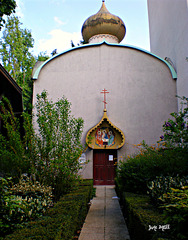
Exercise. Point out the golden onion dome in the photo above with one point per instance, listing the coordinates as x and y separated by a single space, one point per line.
103 22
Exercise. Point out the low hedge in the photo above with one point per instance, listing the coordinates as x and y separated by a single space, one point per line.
61 221
144 221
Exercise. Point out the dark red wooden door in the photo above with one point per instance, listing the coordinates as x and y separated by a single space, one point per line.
104 166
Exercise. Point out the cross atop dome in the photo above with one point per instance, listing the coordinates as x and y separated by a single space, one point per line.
103 25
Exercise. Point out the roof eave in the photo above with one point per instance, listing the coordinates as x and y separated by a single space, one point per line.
10 79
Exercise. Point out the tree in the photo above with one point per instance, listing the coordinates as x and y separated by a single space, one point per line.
6 8
42 56
58 142
49 155
16 57
82 42
54 52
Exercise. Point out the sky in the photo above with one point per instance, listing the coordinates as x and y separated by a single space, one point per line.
54 23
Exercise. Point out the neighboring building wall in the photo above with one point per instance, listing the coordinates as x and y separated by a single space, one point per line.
168 23
10 89
141 90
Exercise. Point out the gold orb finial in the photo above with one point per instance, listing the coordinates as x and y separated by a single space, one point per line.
103 22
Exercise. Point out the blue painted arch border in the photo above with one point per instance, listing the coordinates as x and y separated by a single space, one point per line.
37 71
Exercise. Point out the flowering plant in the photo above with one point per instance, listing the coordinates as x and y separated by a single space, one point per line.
176 129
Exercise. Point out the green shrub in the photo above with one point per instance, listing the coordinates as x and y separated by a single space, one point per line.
175 205
12 149
61 221
176 129
169 158
49 155
161 185
58 143
142 216
134 173
22 202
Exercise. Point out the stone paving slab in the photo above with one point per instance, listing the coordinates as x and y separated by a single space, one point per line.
105 220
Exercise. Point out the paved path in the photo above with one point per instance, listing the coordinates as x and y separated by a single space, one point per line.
104 220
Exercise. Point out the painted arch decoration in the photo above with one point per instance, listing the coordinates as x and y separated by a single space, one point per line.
105 135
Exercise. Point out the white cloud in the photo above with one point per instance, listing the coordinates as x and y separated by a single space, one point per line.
19 8
59 40
57 20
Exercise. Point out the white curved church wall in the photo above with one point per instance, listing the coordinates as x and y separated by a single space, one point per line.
142 91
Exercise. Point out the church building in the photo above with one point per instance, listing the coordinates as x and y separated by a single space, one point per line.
123 93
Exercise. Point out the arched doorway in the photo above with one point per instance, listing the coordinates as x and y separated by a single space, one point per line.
105 139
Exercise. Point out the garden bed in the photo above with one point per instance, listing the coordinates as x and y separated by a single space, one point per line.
63 220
